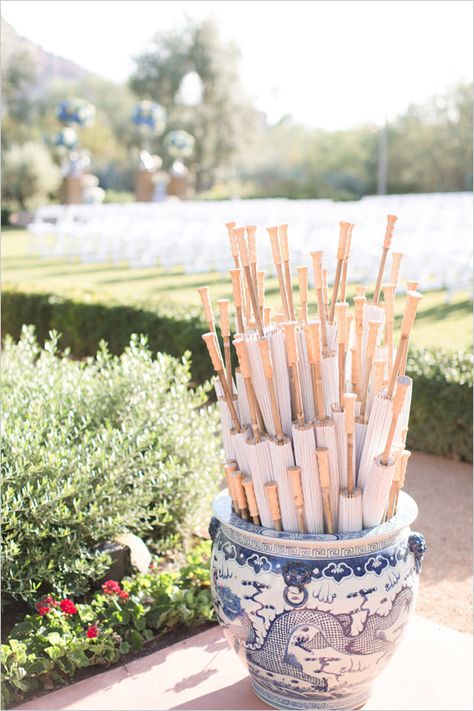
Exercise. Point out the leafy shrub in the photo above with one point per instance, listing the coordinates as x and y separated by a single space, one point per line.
92 449
48 647
29 174
85 320
441 409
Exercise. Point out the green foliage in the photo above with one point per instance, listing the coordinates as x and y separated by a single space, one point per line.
441 410
29 174
43 652
222 122
86 320
95 448
430 145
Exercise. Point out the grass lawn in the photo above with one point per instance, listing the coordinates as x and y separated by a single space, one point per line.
438 323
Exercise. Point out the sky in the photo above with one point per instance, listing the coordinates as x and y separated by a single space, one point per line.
331 64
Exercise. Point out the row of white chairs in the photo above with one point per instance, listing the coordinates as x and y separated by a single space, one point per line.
434 231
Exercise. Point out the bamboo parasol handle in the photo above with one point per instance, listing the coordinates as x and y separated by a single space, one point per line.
247 483
240 494
271 491
285 255
206 303
395 270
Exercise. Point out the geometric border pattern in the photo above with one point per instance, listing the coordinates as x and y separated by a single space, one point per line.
294 551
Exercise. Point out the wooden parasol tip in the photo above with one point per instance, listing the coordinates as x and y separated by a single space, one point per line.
316 258
242 355
391 220
235 275
271 491
247 483
275 243
412 285
344 229
252 244
360 290
372 338
411 306
211 343
303 283
223 305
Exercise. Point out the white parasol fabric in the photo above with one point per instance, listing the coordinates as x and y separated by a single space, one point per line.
260 464
304 372
305 457
376 492
281 378
282 458
376 435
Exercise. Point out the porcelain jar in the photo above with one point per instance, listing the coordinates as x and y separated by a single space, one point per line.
315 618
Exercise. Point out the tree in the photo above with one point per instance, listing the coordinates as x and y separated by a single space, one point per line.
221 121
29 175
430 145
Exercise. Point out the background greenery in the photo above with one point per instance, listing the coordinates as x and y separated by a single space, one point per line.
93 449
237 150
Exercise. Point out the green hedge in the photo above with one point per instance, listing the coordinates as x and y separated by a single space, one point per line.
441 419
441 410
85 320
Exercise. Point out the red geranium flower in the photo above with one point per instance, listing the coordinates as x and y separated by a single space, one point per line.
45 605
68 607
123 594
111 587
49 600
92 632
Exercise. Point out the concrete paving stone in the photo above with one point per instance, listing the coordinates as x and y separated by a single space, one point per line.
432 670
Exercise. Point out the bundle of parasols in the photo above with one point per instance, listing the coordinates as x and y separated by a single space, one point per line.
315 415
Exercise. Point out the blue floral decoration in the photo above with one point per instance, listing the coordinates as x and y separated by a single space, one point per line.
338 571
259 564
376 564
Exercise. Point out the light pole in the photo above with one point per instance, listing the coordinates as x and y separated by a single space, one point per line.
382 159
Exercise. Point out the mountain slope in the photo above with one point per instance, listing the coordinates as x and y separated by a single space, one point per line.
49 67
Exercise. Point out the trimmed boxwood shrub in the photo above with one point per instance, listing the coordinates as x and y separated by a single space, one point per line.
441 410
95 448
85 320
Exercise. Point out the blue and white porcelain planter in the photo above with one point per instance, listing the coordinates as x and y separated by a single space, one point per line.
315 618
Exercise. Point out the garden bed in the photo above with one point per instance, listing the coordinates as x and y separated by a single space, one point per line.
63 641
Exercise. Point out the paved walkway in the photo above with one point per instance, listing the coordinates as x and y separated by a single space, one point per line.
442 489
432 670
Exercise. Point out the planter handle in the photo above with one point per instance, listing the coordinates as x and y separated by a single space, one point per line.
213 527
417 546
